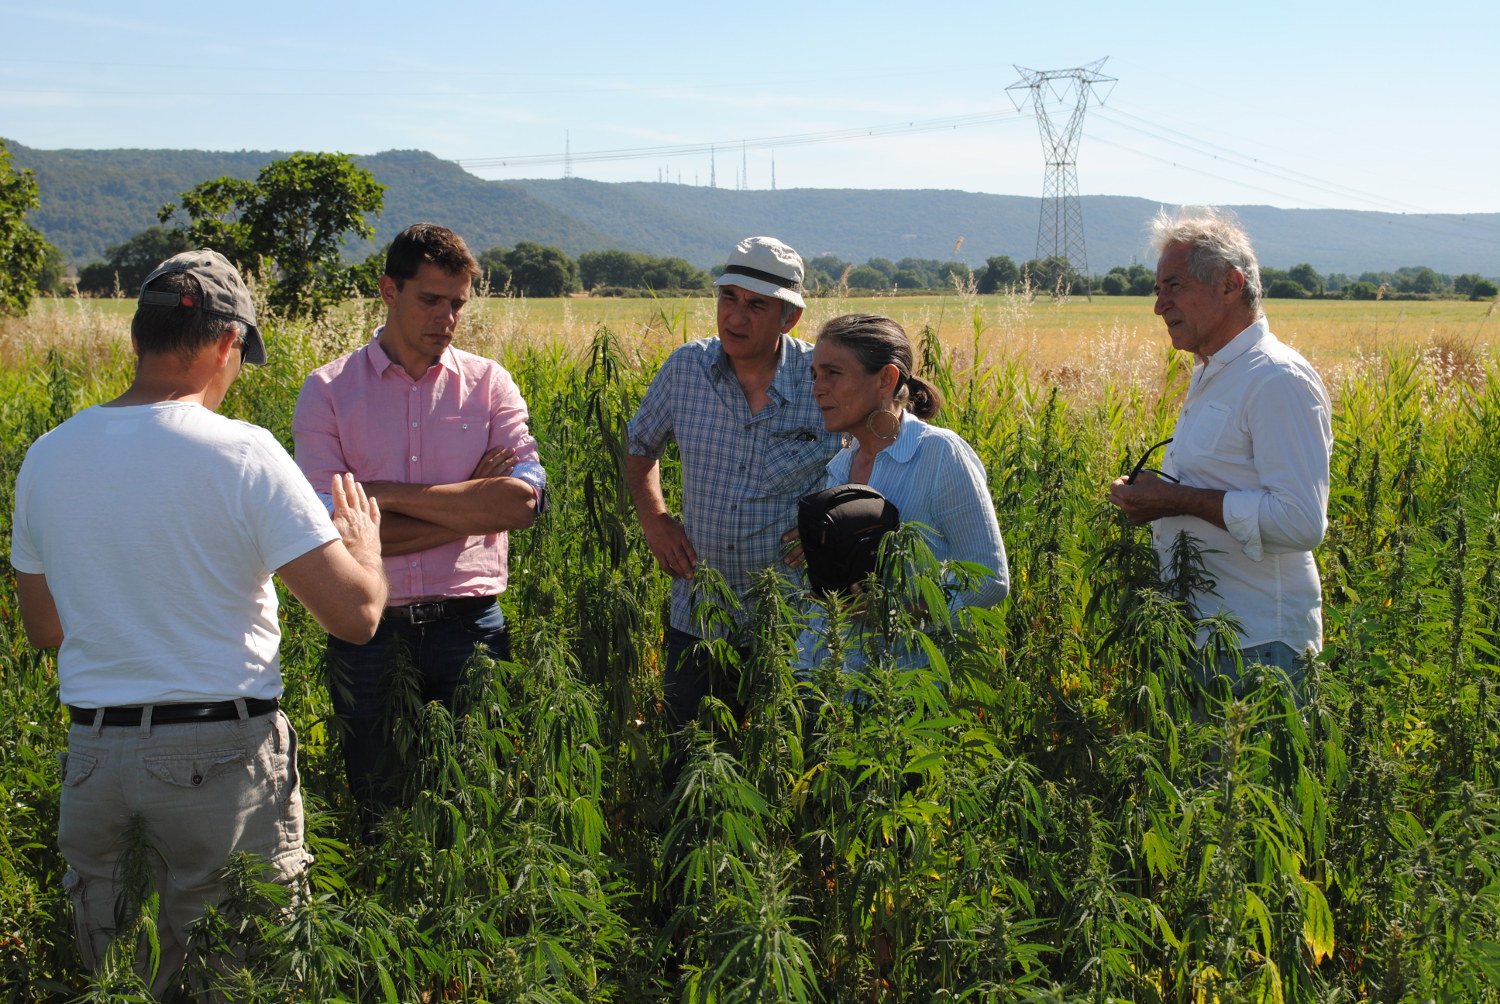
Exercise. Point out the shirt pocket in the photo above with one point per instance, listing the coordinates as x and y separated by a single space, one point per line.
794 461
1215 433
466 428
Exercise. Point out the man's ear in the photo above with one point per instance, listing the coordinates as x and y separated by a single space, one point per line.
388 290
228 343
791 322
1234 282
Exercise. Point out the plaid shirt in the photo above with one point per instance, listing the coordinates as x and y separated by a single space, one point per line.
742 473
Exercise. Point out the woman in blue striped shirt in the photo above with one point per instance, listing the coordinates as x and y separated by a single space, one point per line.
865 387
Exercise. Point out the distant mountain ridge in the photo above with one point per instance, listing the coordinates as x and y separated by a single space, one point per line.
94 198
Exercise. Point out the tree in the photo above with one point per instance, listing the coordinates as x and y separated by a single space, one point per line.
1142 281
826 270
1483 289
1114 282
1000 273
127 264
1307 277
1362 290
541 271
23 251
296 215
1418 279
493 272
631 270
673 273
611 268
1052 275
364 278
50 280
865 277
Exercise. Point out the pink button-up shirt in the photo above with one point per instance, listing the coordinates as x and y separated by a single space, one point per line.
364 414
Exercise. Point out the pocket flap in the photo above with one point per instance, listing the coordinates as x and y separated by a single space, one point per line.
191 770
75 767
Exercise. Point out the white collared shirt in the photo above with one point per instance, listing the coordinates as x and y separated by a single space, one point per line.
1256 424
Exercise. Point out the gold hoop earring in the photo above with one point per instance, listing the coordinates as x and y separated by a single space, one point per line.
895 418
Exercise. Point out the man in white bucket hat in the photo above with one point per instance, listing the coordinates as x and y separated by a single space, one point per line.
751 442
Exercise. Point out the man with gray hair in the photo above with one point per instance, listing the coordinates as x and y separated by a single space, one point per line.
751 441
1246 469
145 535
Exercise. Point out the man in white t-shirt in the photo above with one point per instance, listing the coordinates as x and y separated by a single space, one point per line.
145 534
1246 471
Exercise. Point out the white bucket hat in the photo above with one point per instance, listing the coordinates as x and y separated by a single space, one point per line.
766 266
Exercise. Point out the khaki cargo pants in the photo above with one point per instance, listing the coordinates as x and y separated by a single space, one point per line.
201 792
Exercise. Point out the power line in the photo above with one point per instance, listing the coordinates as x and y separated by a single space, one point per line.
1166 134
761 143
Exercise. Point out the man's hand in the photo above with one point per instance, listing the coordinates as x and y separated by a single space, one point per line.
793 556
356 516
1151 498
497 462
670 545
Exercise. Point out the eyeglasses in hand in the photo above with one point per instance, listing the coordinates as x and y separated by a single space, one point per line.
1140 465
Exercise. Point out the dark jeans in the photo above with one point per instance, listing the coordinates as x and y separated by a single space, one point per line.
690 676
361 684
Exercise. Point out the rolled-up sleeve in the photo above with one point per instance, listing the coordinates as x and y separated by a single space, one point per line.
1291 430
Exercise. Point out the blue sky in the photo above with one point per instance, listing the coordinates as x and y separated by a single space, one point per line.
1373 106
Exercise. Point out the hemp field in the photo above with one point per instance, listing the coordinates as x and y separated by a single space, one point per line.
1054 812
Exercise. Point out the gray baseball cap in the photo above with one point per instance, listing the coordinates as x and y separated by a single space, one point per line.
224 294
766 266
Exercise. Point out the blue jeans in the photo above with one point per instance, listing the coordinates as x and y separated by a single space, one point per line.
1276 655
362 681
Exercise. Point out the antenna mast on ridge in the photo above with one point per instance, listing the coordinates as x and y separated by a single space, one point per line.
1060 231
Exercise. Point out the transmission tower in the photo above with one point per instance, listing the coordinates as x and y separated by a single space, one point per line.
1060 231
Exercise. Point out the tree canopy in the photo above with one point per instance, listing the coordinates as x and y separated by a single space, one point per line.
127 264
296 215
23 251
540 271
633 270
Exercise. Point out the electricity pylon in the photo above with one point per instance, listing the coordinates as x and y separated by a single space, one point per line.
1060 230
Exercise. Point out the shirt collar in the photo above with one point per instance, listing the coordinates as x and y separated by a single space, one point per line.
905 446
723 369
1239 345
380 362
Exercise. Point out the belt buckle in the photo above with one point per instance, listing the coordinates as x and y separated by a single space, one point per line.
425 613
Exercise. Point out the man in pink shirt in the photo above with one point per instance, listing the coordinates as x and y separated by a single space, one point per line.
438 436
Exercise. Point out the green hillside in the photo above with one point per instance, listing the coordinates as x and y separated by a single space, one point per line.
94 198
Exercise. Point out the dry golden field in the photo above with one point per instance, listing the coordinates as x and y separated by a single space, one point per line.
1076 343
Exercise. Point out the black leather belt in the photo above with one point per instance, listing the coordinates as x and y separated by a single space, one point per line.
176 714
439 610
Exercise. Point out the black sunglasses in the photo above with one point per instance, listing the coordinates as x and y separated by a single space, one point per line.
1140 465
